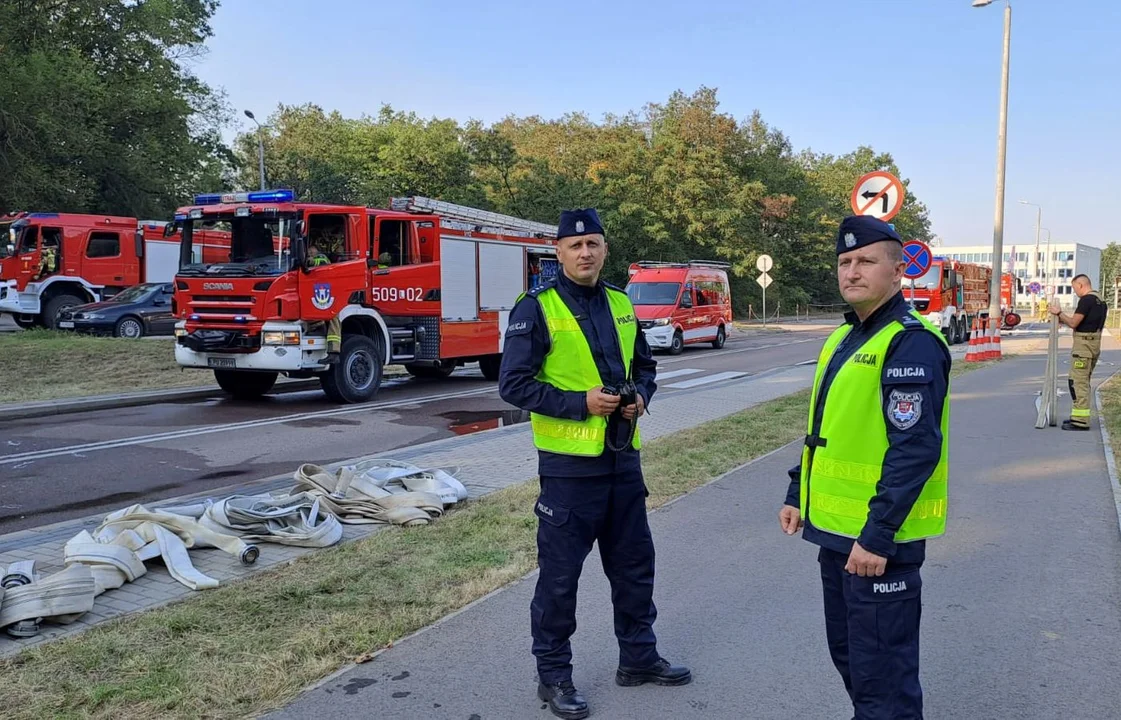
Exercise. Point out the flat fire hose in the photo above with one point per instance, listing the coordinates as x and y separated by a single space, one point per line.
297 520
169 536
26 599
354 499
386 473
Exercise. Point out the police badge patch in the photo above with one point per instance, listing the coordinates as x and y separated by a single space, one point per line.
904 409
321 296
850 240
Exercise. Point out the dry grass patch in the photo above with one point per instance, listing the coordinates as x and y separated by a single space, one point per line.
48 365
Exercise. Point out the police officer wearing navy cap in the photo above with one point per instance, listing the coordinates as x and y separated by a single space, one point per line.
872 484
575 358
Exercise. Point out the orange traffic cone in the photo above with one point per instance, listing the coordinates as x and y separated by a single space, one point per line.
996 343
973 353
987 342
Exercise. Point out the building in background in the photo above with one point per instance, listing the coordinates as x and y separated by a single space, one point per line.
1065 261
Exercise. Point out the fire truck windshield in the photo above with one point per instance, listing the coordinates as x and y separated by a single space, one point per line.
232 246
932 277
653 293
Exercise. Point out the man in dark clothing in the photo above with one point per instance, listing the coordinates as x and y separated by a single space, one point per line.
872 485
572 352
1087 323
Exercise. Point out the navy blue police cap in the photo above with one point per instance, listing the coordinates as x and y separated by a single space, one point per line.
858 231
579 222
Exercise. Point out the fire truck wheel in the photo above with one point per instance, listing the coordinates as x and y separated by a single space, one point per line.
56 305
720 338
356 377
678 344
245 384
490 365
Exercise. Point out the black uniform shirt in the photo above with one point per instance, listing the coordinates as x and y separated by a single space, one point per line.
526 344
914 449
1093 310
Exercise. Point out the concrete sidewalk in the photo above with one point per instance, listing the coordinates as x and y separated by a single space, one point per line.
1022 597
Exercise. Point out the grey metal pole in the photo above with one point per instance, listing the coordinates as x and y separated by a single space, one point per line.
260 146
1002 144
261 155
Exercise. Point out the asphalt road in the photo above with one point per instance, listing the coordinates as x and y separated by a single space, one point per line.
62 467
1021 616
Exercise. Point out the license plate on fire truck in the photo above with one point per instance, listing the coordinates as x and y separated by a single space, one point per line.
221 362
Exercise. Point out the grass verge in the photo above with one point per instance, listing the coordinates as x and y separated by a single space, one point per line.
1110 412
245 648
48 365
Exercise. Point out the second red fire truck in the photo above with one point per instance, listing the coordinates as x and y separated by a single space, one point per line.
952 294
426 284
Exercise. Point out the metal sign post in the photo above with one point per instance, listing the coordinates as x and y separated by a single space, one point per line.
764 263
918 257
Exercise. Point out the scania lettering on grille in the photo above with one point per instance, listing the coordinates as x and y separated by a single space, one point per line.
217 286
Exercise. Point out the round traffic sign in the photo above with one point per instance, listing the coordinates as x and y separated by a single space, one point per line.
764 263
1034 288
879 194
918 258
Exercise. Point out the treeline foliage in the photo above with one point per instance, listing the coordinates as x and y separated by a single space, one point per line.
98 113
679 180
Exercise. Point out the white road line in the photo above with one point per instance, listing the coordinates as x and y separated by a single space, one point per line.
210 429
717 353
807 362
706 380
676 373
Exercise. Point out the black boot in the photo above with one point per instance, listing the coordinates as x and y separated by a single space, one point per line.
565 701
331 359
660 673
1068 425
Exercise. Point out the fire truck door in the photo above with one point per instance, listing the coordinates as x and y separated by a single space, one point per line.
27 251
327 288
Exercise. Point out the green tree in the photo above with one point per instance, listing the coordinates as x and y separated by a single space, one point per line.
98 112
1111 268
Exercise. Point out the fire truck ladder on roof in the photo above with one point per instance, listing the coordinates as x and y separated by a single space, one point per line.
482 220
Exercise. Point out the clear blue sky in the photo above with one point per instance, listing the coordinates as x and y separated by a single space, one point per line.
917 78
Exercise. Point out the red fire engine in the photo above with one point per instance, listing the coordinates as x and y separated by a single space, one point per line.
95 257
426 284
951 295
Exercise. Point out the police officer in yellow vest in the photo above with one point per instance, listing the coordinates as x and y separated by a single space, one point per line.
316 258
1087 322
570 348
871 487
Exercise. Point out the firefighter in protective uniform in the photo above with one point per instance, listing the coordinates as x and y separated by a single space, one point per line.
334 326
872 484
1087 323
568 354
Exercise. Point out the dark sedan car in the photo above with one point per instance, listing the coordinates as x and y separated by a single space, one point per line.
140 310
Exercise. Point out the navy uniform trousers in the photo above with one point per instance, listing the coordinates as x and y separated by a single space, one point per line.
574 512
872 626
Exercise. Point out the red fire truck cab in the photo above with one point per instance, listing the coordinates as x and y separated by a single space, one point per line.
426 284
96 256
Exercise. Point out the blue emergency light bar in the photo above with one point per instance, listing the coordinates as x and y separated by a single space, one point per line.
260 196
